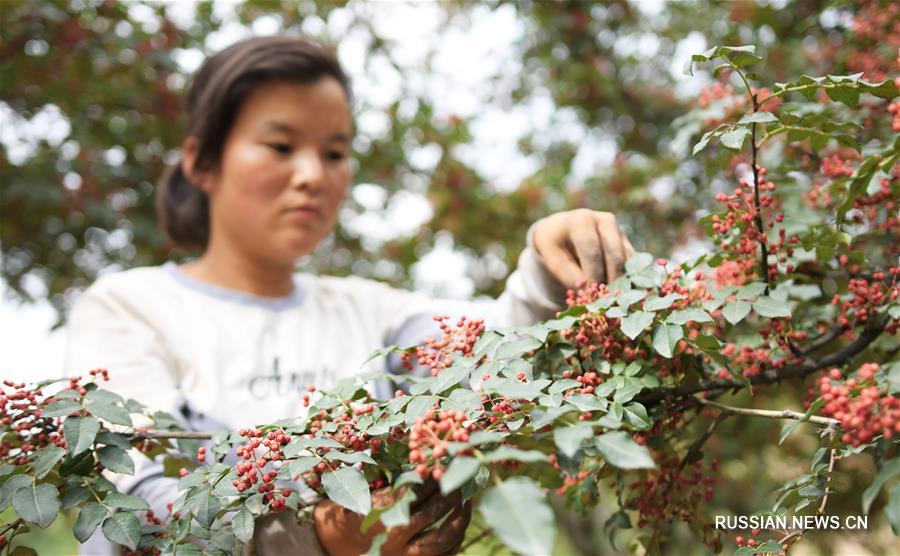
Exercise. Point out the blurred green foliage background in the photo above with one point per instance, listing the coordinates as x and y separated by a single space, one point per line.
91 112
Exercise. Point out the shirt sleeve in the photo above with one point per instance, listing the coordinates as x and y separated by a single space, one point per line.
115 328
532 294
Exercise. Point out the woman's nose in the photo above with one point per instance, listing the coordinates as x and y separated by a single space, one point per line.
308 170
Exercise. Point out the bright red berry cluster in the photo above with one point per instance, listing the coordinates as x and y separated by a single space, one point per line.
863 410
437 354
671 492
26 430
864 296
430 436
261 450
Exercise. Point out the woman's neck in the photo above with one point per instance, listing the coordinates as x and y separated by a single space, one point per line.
253 276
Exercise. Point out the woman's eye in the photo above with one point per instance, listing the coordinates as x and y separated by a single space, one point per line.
282 148
336 155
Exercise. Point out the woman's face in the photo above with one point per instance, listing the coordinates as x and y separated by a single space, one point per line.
284 172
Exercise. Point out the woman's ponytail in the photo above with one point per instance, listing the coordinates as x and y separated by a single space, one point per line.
182 210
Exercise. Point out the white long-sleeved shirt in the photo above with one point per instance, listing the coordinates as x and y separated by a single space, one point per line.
231 359
167 338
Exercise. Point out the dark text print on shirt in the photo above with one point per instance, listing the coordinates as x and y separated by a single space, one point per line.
284 383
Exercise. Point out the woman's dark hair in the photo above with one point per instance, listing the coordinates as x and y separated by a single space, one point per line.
215 96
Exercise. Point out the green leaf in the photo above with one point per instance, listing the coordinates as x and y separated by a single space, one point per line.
658 303
665 338
751 290
708 343
515 389
735 311
505 453
449 377
398 514
80 433
771 308
740 56
37 504
636 416
89 519
377 543
125 501
518 512
702 143
116 459
628 298
61 408
619 450
586 402
10 487
562 385
638 262
113 439
771 546
110 412
635 323
759 118
892 510
351 457
123 528
349 488
847 95
890 470
570 439
47 458
792 426
734 139
205 509
541 418
517 348
460 470
418 406
687 315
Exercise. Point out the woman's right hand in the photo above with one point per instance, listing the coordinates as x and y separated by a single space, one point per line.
338 529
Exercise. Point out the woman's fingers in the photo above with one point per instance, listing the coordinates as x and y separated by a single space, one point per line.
583 245
589 251
431 510
613 250
563 266
446 539
629 249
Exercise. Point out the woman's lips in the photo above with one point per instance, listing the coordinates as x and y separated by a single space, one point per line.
304 212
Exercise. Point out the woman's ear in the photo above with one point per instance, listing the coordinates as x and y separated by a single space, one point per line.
189 150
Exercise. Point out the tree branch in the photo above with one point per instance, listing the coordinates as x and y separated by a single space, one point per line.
170 435
768 413
475 540
821 341
694 450
837 358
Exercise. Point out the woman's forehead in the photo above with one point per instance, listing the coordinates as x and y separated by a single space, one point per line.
295 108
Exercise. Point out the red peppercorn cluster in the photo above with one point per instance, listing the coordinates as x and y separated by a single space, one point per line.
894 110
840 164
597 332
436 354
670 492
863 410
261 450
864 295
25 430
875 25
741 215
429 438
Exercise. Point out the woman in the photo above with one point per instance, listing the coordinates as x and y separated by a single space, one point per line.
231 339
